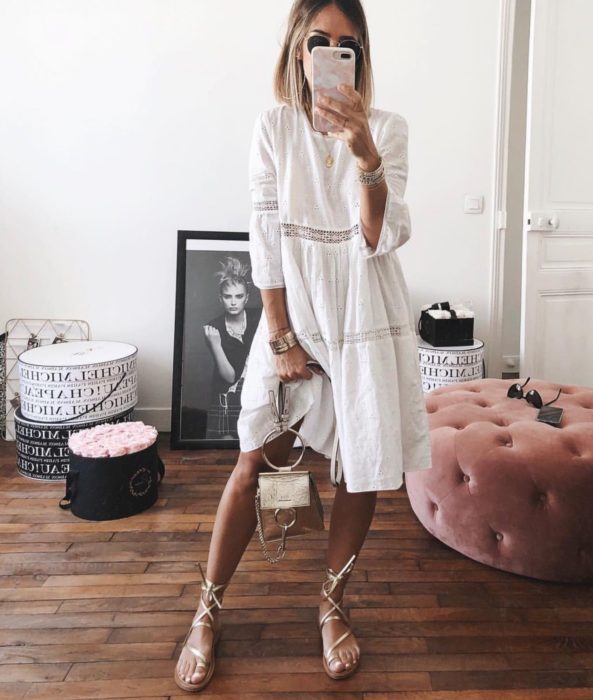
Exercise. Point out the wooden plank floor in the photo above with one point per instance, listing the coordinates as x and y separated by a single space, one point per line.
97 610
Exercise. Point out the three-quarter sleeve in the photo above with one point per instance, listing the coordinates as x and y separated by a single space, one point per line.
393 148
264 226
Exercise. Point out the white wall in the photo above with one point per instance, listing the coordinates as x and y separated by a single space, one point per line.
126 120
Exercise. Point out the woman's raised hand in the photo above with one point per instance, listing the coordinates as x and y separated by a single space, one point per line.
291 365
353 126
212 335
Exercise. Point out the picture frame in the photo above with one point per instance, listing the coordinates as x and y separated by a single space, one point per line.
217 309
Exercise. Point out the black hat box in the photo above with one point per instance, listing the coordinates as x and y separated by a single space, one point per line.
108 488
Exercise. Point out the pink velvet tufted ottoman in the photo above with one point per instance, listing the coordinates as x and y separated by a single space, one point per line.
505 489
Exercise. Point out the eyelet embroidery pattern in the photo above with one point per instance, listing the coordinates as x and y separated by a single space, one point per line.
352 338
317 234
269 205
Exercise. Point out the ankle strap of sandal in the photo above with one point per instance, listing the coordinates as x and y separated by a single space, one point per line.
328 588
211 588
210 603
334 578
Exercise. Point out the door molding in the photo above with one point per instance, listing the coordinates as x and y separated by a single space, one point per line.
499 195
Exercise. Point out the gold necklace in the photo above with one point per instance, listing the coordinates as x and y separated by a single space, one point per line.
329 160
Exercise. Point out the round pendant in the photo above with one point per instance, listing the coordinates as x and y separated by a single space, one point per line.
329 161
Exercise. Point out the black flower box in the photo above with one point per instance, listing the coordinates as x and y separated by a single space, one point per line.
451 331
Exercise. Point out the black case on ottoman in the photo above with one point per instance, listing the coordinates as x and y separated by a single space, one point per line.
445 331
106 488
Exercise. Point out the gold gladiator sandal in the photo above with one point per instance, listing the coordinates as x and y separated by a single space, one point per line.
210 603
327 589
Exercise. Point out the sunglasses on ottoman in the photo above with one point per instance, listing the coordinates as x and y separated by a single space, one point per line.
532 396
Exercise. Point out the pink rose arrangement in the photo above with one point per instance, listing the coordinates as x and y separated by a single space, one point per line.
112 440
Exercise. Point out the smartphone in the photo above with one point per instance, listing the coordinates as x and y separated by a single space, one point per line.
332 66
552 415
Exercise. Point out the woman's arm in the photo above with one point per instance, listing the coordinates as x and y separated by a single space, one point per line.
384 215
291 364
274 301
358 136
265 251
372 203
214 343
264 225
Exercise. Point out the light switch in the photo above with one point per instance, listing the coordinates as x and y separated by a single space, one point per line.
473 204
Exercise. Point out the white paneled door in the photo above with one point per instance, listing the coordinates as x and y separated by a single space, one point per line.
557 274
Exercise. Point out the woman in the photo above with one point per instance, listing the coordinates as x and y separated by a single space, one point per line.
229 337
328 215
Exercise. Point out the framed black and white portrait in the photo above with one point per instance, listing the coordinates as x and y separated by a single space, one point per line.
217 311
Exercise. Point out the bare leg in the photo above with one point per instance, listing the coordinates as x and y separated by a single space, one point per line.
351 518
234 526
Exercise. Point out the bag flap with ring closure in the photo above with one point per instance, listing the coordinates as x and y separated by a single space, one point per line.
284 490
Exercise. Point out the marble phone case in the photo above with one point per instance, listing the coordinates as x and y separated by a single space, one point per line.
332 66
552 415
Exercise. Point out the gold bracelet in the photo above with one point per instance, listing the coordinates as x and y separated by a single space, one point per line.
284 343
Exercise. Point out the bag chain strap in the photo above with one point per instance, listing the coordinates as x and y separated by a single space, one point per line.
281 417
264 545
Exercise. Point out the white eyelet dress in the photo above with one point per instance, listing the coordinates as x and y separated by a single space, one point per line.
347 304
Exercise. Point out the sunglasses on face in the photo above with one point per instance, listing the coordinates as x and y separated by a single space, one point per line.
318 40
516 392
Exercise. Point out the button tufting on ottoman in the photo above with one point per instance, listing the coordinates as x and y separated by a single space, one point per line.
504 488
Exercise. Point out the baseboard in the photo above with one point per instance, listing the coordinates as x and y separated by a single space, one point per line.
160 418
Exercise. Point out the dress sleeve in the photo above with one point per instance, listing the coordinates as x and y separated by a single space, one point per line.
264 226
396 229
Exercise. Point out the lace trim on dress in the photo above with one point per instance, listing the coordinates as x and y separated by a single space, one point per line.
375 334
317 234
268 205
352 338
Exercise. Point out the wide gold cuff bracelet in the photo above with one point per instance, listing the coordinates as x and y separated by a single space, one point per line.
283 343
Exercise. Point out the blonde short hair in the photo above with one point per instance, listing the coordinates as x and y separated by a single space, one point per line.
233 272
290 85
